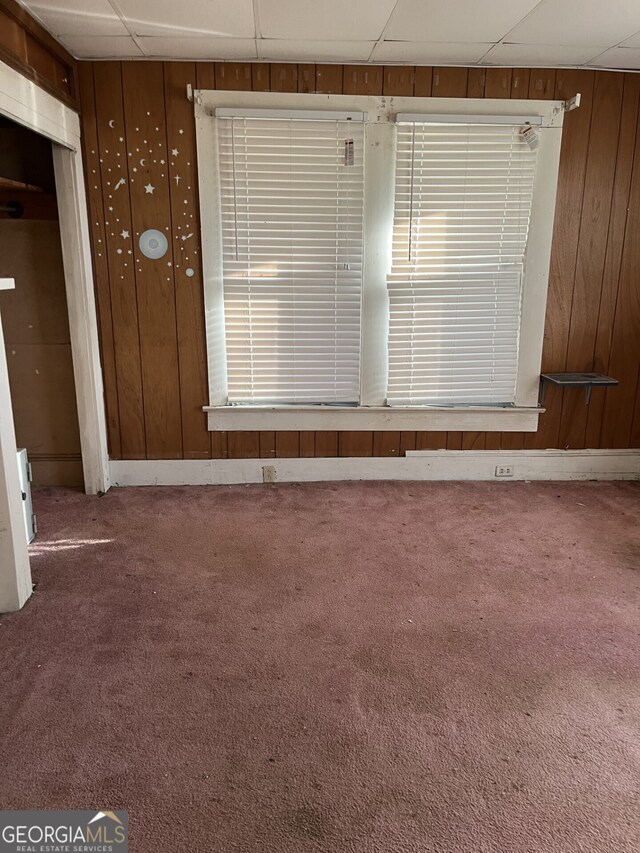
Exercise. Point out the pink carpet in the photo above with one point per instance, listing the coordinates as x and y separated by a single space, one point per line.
375 667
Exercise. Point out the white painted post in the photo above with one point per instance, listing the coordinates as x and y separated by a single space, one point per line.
15 572
379 193
83 324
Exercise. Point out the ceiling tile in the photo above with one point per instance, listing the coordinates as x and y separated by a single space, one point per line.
314 51
534 55
456 20
193 18
579 23
618 57
101 47
429 53
198 47
79 17
634 41
358 20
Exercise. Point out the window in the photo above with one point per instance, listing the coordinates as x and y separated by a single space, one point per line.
291 202
463 196
372 264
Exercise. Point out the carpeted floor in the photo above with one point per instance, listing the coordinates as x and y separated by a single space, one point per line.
366 667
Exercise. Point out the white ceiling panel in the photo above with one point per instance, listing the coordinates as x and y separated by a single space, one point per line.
618 57
73 17
533 55
204 47
456 20
101 47
233 18
579 22
321 51
634 41
323 20
563 33
428 53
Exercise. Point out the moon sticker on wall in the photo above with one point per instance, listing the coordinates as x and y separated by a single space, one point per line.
153 244
112 122
142 161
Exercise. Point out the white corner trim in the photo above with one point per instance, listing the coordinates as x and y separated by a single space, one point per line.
15 572
29 105
474 419
416 465
83 322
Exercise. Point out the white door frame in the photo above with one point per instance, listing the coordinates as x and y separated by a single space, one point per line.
15 572
28 105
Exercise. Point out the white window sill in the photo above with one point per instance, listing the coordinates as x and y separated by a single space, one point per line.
476 419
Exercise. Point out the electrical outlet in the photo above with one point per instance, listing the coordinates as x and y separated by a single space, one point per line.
504 470
268 473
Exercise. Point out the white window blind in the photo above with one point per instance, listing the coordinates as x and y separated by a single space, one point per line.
292 218
463 195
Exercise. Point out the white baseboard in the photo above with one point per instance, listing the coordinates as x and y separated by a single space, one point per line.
416 465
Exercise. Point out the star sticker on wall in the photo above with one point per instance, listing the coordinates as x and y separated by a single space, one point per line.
149 188
181 130
174 152
124 234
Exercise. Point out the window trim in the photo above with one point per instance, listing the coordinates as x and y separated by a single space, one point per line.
372 413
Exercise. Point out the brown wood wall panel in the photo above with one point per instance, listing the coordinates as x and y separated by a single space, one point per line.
624 361
592 245
498 83
31 50
116 218
187 269
423 82
617 232
449 82
362 80
573 158
476 82
100 263
307 444
398 80
284 78
329 79
152 324
145 117
306 79
520 82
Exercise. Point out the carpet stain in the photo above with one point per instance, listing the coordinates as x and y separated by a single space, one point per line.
309 822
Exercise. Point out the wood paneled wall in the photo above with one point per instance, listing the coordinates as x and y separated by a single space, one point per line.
26 46
139 128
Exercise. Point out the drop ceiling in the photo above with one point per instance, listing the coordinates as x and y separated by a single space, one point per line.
575 33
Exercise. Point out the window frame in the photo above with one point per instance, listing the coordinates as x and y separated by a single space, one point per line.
372 413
